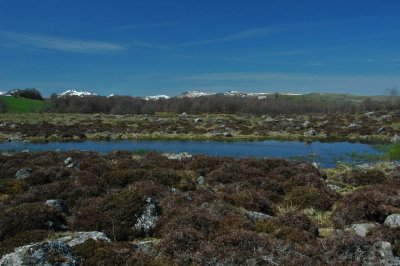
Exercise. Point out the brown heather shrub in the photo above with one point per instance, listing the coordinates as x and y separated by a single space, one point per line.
203 165
311 197
178 246
302 180
232 172
93 253
346 249
362 178
190 218
121 178
67 190
359 206
27 217
248 197
46 175
12 186
370 203
116 214
288 225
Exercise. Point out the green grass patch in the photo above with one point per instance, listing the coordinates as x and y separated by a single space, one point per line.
393 152
23 105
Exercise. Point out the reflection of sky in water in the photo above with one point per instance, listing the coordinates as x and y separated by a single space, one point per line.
324 153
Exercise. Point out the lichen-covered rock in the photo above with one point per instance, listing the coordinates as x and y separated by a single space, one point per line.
59 205
257 216
201 180
76 238
362 229
381 254
45 253
23 173
178 156
393 220
395 138
147 221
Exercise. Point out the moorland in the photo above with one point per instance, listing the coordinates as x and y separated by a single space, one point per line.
148 208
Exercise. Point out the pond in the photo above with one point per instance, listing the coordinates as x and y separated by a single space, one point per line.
325 153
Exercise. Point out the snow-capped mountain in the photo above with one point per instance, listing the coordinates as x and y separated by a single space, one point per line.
77 93
194 94
3 93
156 97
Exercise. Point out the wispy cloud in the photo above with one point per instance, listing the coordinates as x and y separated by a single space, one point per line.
59 44
152 45
247 34
141 26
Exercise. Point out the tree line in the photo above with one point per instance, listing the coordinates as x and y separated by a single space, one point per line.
208 104
218 103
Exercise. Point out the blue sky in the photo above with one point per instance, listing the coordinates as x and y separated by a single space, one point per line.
166 47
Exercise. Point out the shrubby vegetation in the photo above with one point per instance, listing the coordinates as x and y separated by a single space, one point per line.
205 104
33 94
242 212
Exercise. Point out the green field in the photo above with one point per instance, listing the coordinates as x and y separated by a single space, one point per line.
23 105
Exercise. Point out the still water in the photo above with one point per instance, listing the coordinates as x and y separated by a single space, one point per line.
325 153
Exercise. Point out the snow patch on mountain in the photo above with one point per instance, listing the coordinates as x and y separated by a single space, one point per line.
156 97
77 93
194 94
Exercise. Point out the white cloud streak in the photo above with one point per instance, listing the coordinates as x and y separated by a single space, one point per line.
59 44
247 34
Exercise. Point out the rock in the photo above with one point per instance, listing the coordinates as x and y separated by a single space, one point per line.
178 156
381 253
13 126
45 253
393 220
334 187
147 221
59 205
386 117
201 180
71 164
312 132
353 125
369 114
362 229
23 173
146 247
316 165
306 124
198 120
76 238
227 134
68 161
183 115
257 216
270 119
74 165
381 130
395 138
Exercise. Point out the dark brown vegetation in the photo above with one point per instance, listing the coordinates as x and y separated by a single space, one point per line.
33 94
197 223
210 104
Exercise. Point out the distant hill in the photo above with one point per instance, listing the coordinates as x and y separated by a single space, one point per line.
23 105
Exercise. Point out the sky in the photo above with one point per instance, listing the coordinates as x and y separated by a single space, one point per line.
138 48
